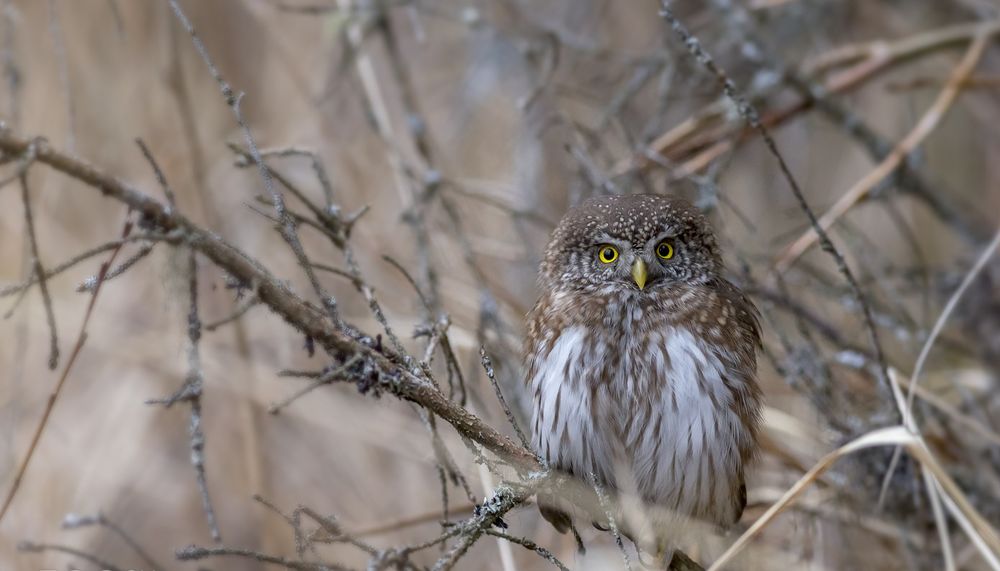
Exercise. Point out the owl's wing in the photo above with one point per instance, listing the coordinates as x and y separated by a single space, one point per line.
741 502
747 315
737 349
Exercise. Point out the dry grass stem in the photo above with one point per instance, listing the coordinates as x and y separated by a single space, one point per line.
924 127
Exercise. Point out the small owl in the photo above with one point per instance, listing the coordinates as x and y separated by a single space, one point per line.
641 359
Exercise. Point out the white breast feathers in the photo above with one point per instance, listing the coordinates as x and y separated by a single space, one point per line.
649 412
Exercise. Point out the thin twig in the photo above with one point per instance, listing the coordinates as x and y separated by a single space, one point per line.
73 521
948 310
531 546
314 161
11 71
57 390
332 527
39 270
90 283
912 389
605 502
116 15
196 553
81 257
160 177
191 392
59 46
488 367
324 379
41 547
239 312
413 520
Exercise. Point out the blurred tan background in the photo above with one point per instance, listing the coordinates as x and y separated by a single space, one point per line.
528 106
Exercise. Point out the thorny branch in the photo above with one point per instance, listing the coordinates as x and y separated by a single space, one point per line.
384 367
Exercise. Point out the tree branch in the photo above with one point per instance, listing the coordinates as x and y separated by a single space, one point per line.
340 343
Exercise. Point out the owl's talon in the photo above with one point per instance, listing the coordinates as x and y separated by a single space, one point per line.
581 549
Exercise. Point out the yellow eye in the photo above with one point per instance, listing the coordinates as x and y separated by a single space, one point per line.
665 250
607 254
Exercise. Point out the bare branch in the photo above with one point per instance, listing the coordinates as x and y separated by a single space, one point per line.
42 547
39 269
195 553
384 365
605 502
240 311
73 521
287 224
90 283
160 177
488 367
531 546
324 379
191 392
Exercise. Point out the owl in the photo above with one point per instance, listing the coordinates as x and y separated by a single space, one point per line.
641 360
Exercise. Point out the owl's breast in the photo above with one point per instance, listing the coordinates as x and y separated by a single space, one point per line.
648 401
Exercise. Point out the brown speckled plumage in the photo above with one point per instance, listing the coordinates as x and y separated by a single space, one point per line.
651 389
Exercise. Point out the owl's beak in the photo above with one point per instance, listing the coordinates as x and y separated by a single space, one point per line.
639 272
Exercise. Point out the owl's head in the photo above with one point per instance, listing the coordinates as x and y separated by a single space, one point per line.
639 242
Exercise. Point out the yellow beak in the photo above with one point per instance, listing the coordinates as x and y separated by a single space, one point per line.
639 272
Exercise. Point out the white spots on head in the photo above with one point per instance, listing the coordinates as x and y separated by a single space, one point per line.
687 297
636 219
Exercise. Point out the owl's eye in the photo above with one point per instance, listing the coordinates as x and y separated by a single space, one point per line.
607 254
665 250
